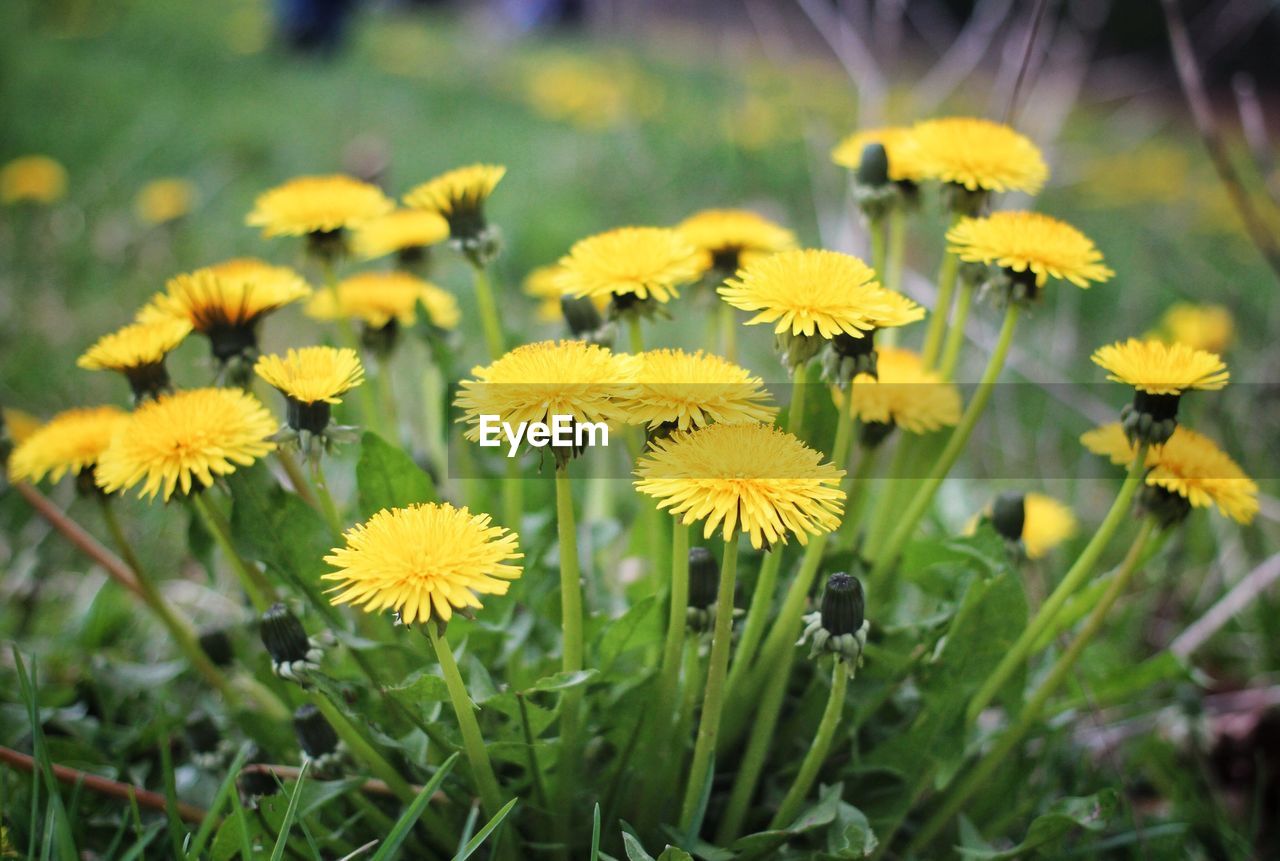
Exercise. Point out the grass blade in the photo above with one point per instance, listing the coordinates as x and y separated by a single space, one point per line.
406 822
475 842
58 828
282 838
224 791
595 835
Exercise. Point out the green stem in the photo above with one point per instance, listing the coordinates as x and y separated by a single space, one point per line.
361 748
254 582
513 494
488 312
387 399
955 335
713 694
1071 582
897 248
433 417
876 227
817 750
795 410
635 334
673 647
942 307
856 496
296 478
571 650
981 773
757 618
728 332
959 438
179 629
844 433
892 488
369 412
464 710
327 505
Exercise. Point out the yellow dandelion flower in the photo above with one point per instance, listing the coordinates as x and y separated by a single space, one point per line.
317 204
735 237
403 232
1189 465
1200 327
1161 369
138 351
744 478
536 382
72 441
378 298
1028 242
822 293
18 424
423 562
978 154
459 196
33 179
312 374
903 394
163 200
899 146
186 438
1048 524
632 264
690 390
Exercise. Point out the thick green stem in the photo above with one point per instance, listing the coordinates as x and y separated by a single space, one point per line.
887 556
513 494
897 248
464 710
955 335
296 478
981 773
370 415
856 496
387 399
1071 583
795 410
757 618
571 649
327 505
635 333
942 306
362 749
728 332
844 434
876 227
254 582
179 629
488 312
817 750
713 695
892 488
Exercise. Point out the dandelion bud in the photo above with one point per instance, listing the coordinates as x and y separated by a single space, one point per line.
217 647
1168 508
209 750
310 417
795 351
315 735
847 357
873 169
380 340
875 194
840 627
872 434
704 585
1009 515
256 784
1150 418
584 320
327 246
293 655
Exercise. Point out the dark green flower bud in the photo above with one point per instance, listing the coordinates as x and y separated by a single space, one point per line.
313 417
873 191
963 201
201 733
328 246
843 606
704 586
847 357
217 646
293 655
315 735
1150 418
1009 515
795 351
873 168
581 315
1168 508
872 434
381 340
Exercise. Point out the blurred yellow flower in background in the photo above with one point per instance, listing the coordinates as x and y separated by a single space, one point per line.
459 196
33 179
378 298
899 146
735 237
317 204
404 230
1201 327
163 200
72 441
903 394
978 154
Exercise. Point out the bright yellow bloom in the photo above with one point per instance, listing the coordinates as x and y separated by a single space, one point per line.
232 294
317 204
899 146
978 154
903 394
817 292
1047 524
636 262
1200 327
750 478
312 374
377 298
459 196
185 438
33 178
691 390
399 231
535 382
1029 241
163 200
18 424
735 237
1190 465
136 347
71 441
1161 369
423 562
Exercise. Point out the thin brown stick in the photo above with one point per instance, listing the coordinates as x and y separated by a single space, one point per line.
103 786
83 541
1184 61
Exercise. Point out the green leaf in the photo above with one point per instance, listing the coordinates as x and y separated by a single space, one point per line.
561 681
635 851
763 843
1047 831
634 629
671 853
391 844
291 814
224 793
387 477
475 842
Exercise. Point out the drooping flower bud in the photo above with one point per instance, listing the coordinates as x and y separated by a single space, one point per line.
293 655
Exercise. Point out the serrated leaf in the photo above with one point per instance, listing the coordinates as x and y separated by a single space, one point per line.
387 477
